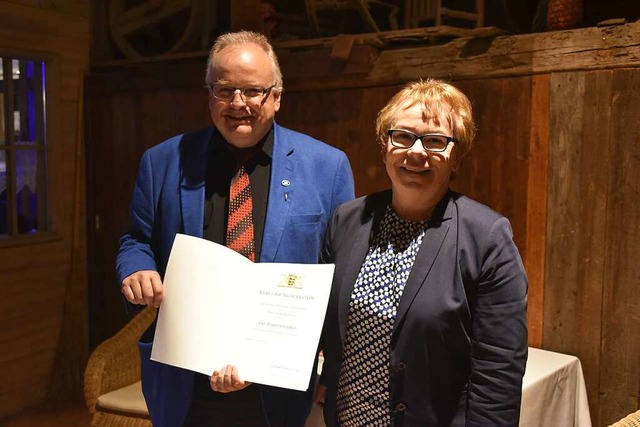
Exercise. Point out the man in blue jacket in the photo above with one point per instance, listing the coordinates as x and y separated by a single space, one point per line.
183 186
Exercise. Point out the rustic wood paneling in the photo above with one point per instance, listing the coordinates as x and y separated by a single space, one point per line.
620 347
535 245
594 175
35 270
245 15
590 301
345 119
470 58
122 124
556 153
495 170
565 230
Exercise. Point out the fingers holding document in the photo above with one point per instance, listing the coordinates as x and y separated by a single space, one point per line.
227 380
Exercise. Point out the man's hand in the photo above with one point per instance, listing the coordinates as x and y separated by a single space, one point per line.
321 393
143 287
227 380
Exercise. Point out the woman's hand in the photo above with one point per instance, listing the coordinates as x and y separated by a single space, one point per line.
227 380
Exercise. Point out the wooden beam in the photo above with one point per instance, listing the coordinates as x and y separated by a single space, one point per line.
471 58
245 15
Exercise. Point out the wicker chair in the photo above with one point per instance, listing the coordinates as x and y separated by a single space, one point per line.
112 388
631 420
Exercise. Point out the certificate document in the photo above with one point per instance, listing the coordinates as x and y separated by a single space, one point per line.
220 308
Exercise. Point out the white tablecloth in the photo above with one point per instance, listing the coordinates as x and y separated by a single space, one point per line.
553 393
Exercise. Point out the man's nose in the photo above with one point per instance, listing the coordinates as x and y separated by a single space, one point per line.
237 100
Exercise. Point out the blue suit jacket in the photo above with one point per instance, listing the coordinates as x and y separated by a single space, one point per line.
168 198
459 341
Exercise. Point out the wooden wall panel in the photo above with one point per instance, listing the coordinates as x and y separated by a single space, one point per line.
35 271
345 119
565 229
620 349
495 172
590 299
557 153
123 124
593 195
535 245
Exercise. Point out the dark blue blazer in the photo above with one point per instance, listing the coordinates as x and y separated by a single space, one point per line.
168 198
459 342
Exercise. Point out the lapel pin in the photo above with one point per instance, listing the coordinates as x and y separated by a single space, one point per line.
285 183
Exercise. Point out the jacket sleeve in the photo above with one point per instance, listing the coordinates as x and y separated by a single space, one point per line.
136 251
499 332
343 187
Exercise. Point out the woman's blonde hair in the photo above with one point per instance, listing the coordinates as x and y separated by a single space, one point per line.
439 98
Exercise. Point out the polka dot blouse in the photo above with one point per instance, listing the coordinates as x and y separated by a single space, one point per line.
363 385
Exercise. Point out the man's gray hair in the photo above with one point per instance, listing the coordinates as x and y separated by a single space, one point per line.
245 37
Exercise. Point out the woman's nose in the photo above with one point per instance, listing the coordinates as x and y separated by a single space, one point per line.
418 148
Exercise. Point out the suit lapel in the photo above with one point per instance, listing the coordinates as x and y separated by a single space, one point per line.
193 149
371 217
282 187
431 244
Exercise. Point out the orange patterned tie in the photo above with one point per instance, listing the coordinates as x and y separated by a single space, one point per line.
240 221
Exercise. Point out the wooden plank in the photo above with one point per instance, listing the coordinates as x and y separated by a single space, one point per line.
22 337
469 58
24 290
311 65
620 364
341 48
565 209
18 20
245 15
593 198
34 370
34 254
536 210
68 7
388 38
22 396
188 73
345 119
35 269
495 171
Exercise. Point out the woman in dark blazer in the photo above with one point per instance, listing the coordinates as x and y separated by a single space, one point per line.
426 324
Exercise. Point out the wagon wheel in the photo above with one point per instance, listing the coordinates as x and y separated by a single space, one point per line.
154 27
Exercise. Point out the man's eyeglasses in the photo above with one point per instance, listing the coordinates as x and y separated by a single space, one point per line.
433 142
248 94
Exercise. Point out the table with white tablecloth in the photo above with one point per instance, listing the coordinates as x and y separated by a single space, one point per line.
553 392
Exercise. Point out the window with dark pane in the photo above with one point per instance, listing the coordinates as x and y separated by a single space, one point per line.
23 148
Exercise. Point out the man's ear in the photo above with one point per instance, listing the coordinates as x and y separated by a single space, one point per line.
277 96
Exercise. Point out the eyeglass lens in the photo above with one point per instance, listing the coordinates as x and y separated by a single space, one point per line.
248 93
405 139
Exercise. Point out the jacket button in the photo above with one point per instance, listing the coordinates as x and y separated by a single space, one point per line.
400 407
401 367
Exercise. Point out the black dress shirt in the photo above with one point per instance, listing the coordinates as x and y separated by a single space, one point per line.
241 408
